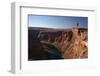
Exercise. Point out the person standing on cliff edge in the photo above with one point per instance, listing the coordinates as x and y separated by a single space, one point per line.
77 25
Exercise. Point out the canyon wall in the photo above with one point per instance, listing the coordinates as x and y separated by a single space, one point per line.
73 43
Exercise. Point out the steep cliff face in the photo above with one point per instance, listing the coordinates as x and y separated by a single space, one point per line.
73 43
35 49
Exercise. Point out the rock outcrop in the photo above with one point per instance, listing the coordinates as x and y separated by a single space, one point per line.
73 43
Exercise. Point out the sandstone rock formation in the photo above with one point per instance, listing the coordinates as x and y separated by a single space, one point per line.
72 43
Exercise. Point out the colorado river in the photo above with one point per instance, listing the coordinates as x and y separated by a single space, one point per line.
54 53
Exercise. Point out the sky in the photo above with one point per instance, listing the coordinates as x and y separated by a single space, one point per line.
56 21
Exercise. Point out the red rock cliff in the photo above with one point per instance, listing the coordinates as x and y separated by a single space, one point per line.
73 43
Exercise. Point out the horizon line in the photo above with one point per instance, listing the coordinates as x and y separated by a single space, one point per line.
58 27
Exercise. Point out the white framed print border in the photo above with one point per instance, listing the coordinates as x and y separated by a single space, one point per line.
19 39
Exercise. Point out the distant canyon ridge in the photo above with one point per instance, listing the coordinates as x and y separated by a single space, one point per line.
72 43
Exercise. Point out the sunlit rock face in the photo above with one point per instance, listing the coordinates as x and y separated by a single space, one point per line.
73 42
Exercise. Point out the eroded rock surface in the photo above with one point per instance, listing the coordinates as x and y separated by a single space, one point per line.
73 43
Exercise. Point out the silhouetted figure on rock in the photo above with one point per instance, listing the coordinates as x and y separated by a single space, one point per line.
77 25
